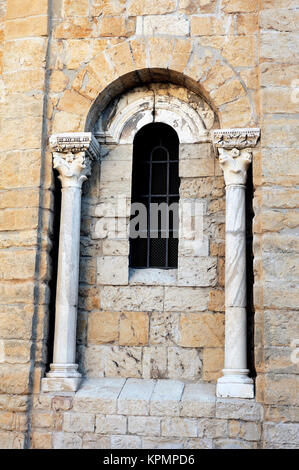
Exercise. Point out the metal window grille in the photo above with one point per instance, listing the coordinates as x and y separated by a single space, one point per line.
155 180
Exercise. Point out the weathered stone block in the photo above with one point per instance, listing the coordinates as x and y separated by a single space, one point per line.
98 395
61 403
16 383
283 20
15 351
74 9
184 364
278 46
144 426
103 327
179 427
233 444
279 132
238 409
117 26
281 360
216 302
43 420
132 298
78 422
30 27
41 440
196 151
212 428
178 25
66 440
123 361
280 327
116 170
125 442
111 424
209 26
28 53
213 363
277 74
202 330
17 264
185 299
234 6
96 441
146 7
164 328
247 24
283 433
115 247
154 362
112 270
109 7
133 328
196 168
166 397
76 27
135 397
92 359
281 413
198 400
281 389
250 431
197 271
162 443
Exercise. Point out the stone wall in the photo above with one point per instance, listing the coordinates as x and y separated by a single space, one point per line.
275 224
149 414
25 213
61 63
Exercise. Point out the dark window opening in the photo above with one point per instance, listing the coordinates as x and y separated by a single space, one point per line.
155 184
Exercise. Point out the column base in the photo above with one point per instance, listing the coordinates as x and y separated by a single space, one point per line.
62 378
235 383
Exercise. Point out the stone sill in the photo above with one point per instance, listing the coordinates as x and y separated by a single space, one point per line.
153 277
144 397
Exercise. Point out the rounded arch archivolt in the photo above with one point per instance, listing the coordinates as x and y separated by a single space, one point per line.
132 63
183 110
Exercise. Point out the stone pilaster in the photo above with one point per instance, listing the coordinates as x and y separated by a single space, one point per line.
73 154
234 158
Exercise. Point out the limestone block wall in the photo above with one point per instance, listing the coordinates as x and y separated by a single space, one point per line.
25 213
276 222
118 413
61 62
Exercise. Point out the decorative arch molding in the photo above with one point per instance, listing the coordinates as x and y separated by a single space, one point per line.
136 62
141 106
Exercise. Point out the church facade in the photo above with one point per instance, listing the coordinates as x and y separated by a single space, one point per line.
149 224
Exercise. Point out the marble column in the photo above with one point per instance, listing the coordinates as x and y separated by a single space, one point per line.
73 154
234 158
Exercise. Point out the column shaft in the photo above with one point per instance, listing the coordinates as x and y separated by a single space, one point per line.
234 159
67 278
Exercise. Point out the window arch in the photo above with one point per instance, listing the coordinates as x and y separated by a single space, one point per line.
155 185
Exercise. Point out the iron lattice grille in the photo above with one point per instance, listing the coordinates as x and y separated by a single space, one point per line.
155 180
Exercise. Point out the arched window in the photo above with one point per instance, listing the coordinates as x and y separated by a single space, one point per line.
155 185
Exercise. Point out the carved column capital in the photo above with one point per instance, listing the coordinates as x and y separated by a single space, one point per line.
73 154
234 164
235 155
